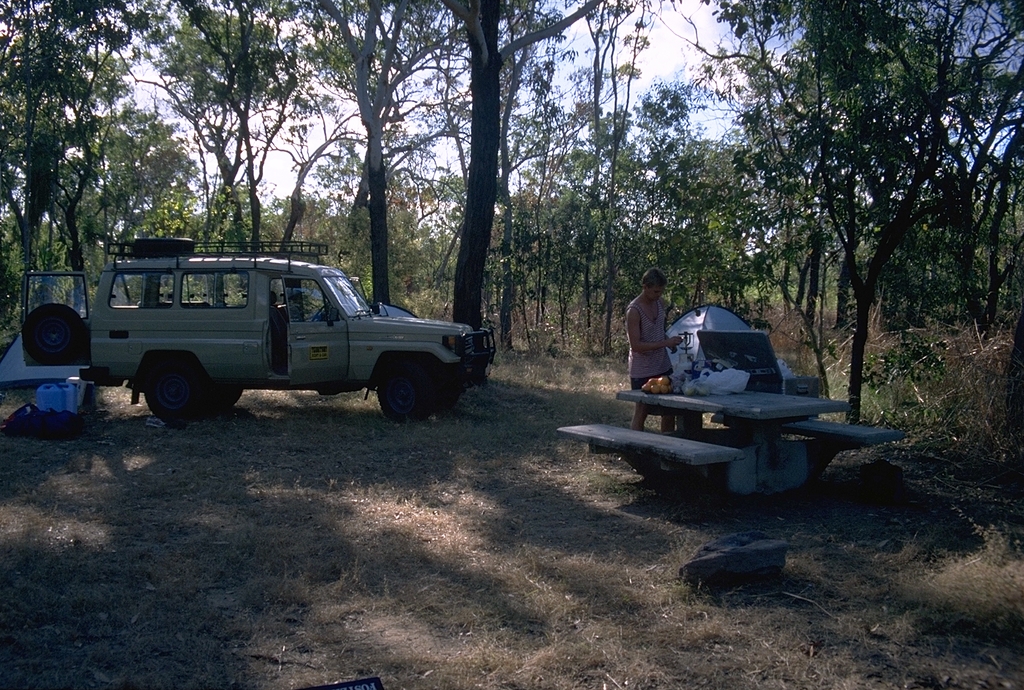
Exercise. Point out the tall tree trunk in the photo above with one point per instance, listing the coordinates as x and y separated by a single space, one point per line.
296 212
76 258
297 204
482 185
843 297
255 214
609 289
1015 382
586 294
376 177
860 340
507 287
251 178
22 223
813 278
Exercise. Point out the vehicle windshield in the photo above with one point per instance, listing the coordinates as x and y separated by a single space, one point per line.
345 293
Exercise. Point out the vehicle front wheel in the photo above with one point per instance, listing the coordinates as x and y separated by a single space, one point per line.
406 392
449 394
175 390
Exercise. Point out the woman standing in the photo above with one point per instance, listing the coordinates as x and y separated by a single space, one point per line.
648 357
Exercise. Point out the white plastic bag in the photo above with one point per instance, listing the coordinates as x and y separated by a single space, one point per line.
679 380
784 368
717 383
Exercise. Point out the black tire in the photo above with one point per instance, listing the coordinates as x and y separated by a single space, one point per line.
448 394
175 389
406 392
221 397
55 334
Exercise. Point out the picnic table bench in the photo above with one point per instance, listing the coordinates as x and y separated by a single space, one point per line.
755 452
673 450
852 435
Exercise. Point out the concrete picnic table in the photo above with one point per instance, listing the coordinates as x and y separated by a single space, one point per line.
776 441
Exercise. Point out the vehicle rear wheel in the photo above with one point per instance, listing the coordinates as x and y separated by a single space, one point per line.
407 392
175 390
55 334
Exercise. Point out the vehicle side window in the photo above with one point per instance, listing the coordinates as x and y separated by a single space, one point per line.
305 300
215 289
150 290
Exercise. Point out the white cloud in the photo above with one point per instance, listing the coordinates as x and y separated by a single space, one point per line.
676 28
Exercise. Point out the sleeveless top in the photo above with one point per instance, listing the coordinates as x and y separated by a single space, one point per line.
651 362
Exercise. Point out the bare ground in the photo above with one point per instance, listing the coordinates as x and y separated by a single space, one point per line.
305 540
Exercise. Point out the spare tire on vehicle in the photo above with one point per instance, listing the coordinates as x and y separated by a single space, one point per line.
152 247
55 334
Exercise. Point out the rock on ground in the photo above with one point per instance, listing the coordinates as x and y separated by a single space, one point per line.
736 558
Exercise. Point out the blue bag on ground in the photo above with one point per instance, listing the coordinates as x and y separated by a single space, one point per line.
29 420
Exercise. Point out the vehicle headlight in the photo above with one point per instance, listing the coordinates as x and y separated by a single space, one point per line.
450 341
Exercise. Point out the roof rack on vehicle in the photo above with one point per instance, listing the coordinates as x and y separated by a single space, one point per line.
153 247
293 249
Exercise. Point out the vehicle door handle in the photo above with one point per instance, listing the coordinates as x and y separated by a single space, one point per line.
300 337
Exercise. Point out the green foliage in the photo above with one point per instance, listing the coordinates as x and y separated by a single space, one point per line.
914 359
147 181
897 127
700 230
908 385
10 289
61 80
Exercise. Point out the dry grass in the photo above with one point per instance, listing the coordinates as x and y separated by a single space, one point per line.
306 540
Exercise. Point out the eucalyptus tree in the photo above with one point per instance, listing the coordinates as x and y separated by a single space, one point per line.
867 97
145 181
231 69
614 67
324 131
542 239
388 44
94 118
957 266
983 169
696 216
326 124
481 21
540 124
60 69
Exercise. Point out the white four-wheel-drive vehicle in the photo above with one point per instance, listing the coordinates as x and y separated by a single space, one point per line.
192 326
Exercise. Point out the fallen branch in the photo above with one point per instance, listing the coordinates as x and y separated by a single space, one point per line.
809 601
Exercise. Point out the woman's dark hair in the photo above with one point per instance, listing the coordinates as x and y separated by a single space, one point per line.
654 277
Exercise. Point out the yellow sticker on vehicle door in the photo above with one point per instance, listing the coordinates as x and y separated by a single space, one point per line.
318 353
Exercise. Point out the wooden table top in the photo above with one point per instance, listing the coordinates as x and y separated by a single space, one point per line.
745 405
